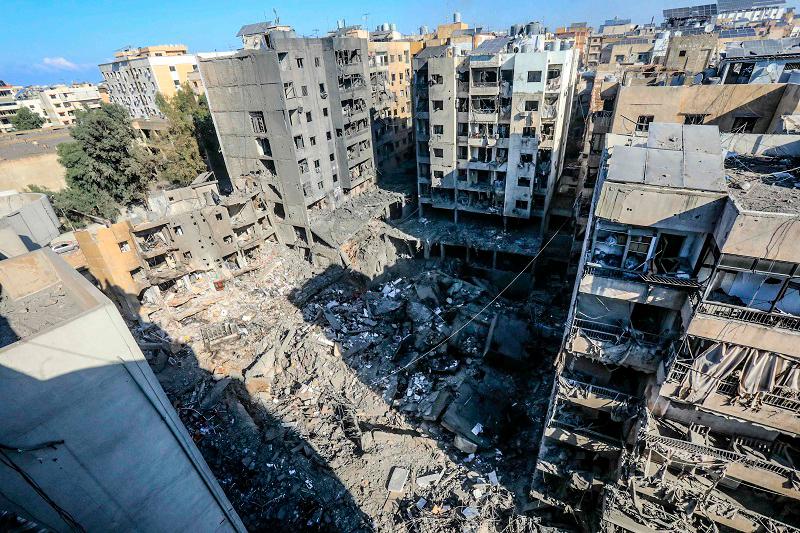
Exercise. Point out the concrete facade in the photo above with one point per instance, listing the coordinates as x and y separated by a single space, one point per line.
490 127
295 113
77 381
686 296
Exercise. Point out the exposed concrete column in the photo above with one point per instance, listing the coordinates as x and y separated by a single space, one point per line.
426 250
441 251
455 216
494 259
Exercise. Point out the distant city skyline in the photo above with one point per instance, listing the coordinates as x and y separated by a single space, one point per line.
63 41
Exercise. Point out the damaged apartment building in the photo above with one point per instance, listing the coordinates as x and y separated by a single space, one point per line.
294 113
185 235
676 404
491 125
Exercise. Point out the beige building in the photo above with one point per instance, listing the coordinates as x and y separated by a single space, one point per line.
136 75
390 76
746 108
60 102
8 105
691 53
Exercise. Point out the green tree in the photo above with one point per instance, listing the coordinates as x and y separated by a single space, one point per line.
105 166
25 119
180 149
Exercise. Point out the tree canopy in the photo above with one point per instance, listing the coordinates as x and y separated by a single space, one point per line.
25 119
183 147
105 166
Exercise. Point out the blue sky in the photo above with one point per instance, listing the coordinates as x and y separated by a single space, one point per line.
49 41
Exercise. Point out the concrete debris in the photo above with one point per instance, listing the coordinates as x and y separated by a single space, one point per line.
397 481
304 389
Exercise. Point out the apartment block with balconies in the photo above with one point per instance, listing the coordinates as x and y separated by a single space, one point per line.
490 126
678 385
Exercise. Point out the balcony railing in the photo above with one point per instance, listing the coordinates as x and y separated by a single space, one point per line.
723 455
597 390
753 316
656 279
729 388
485 83
612 333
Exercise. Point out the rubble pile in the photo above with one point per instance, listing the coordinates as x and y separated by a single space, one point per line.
324 402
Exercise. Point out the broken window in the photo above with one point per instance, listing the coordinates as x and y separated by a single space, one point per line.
288 90
308 116
438 152
304 90
529 131
124 246
744 124
682 53
523 182
438 105
643 122
263 146
298 142
531 105
534 76
521 204
178 230
438 129
299 62
257 122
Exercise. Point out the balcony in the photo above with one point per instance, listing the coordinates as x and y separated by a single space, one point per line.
753 316
751 469
594 396
617 344
664 280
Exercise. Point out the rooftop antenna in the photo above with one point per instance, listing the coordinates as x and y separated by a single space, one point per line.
316 32
277 19
365 16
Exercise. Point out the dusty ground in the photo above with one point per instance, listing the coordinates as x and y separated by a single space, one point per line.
309 393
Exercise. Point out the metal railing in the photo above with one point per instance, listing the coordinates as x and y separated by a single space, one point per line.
586 432
599 391
612 333
486 83
753 316
723 455
656 279
730 388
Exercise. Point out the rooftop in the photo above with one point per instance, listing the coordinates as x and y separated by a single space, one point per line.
676 155
765 184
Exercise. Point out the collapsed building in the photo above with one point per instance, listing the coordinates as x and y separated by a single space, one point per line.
675 404
491 128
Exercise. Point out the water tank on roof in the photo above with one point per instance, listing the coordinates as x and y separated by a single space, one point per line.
423 29
456 17
393 27
385 26
516 29
533 28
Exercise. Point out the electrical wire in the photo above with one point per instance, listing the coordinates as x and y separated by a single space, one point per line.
476 315
63 513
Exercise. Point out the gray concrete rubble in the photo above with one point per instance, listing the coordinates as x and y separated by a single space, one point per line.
326 399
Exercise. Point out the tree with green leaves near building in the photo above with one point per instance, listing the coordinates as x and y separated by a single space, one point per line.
105 167
190 145
25 119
